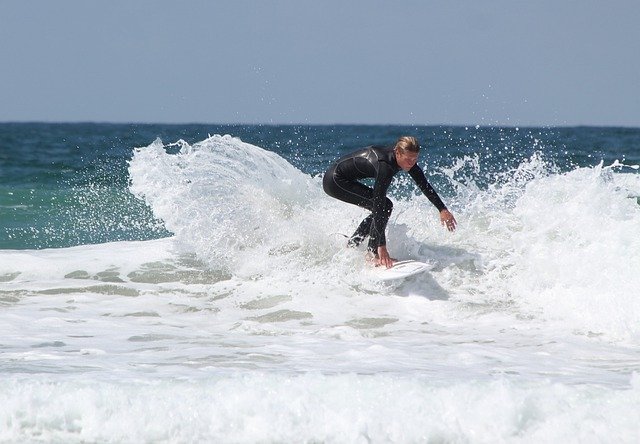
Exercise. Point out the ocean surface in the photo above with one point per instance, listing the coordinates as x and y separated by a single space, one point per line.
187 283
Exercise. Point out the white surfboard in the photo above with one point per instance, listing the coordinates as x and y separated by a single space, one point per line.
400 270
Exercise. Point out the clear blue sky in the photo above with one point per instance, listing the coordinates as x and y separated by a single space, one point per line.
542 62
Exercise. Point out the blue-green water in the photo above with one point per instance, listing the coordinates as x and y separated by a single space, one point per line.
240 316
66 184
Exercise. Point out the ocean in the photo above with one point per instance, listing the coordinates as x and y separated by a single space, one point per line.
188 283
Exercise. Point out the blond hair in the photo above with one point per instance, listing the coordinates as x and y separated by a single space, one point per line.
408 143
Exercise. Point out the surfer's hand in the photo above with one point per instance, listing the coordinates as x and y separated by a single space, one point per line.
383 257
447 220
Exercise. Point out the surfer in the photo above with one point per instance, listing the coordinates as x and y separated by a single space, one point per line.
341 181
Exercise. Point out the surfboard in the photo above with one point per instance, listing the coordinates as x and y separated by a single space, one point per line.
400 270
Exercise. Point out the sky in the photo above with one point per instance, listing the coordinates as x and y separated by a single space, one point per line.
422 62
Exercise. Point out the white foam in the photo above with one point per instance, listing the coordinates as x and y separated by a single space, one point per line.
222 197
531 306
259 407
54 263
560 245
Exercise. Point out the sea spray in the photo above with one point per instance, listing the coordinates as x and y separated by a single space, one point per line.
560 245
157 340
231 202
550 242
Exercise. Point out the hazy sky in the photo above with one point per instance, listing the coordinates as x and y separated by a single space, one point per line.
536 62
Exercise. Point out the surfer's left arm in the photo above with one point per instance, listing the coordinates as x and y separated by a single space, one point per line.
446 218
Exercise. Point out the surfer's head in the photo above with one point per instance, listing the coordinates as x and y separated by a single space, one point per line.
407 150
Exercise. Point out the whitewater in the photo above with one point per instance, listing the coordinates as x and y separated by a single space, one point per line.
253 322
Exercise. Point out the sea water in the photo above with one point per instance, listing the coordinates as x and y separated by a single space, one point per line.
163 283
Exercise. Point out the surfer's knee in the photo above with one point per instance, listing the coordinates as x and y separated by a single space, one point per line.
327 183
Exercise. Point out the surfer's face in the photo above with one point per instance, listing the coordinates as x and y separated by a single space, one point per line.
406 160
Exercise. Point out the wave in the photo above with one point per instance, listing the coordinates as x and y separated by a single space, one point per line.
238 206
557 245
262 407
563 244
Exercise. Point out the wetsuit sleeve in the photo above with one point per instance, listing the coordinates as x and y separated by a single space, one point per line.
418 177
380 219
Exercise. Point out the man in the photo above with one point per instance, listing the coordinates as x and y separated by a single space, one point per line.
341 181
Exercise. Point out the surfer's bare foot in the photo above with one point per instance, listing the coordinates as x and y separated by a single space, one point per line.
384 258
375 261
388 264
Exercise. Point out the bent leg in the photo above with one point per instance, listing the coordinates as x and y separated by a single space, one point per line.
349 191
361 232
356 193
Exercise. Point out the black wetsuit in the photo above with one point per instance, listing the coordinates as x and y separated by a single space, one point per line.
341 181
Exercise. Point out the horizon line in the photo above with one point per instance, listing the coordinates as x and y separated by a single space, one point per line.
466 125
